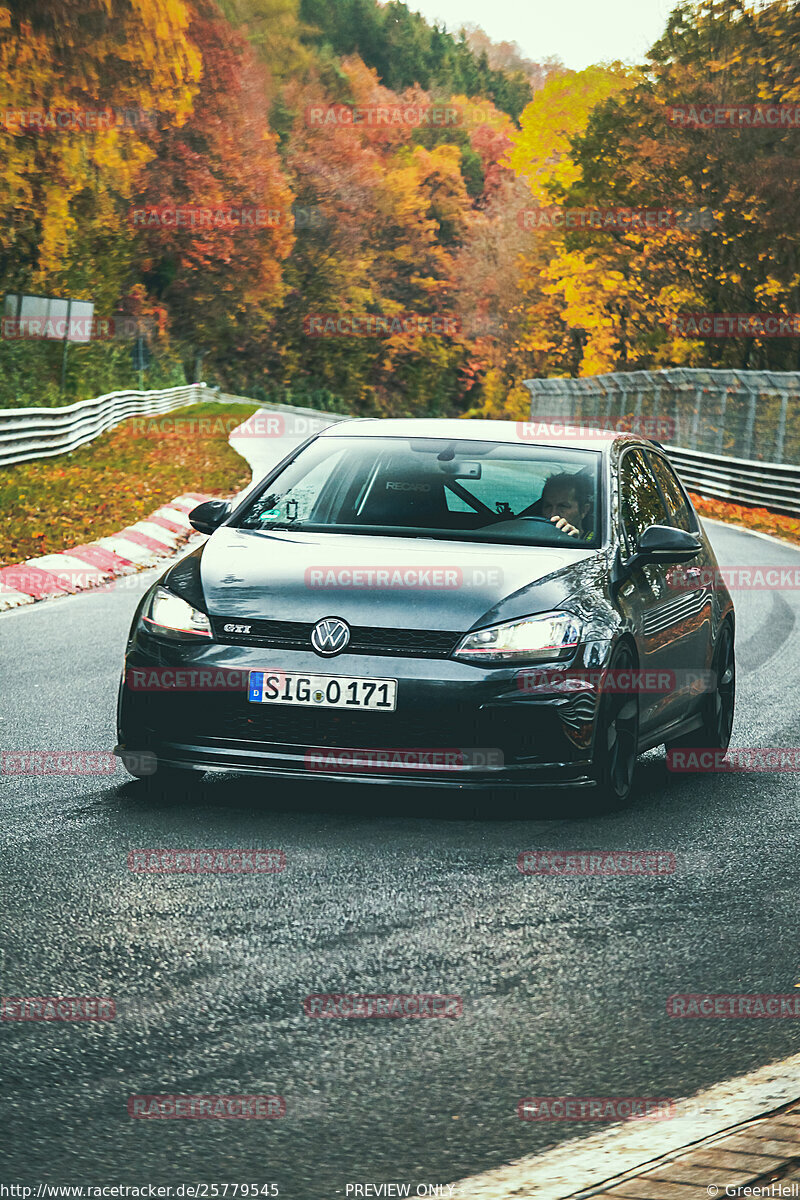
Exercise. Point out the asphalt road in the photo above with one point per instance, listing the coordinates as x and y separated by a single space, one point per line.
564 980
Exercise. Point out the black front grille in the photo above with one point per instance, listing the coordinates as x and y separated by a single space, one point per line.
364 639
289 726
229 718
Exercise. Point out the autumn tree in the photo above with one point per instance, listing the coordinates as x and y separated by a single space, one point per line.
221 282
59 203
389 216
740 182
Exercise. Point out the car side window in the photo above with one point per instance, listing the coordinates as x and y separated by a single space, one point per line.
640 502
679 515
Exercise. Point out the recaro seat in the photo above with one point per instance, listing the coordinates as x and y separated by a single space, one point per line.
399 496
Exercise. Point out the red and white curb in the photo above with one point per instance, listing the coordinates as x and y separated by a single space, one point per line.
140 545
157 536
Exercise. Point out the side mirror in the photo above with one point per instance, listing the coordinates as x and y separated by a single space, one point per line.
663 544
209 515
658 543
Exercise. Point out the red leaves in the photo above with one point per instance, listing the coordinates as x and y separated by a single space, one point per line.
778 524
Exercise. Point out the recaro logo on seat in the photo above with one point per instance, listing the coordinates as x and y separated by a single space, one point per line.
408 487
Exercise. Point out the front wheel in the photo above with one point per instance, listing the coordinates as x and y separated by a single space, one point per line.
616 738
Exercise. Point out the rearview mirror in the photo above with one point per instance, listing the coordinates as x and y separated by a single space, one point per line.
459 469
209 515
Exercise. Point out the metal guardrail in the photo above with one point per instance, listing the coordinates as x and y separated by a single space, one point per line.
710 415
739 480
743 414
29 433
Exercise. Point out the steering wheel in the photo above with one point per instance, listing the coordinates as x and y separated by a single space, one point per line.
555 536
512 520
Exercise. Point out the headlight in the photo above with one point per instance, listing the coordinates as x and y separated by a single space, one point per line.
169 615
545 638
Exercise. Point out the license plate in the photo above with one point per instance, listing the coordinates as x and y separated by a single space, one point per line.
322 691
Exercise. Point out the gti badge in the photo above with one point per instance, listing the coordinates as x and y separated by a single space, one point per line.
237 628
330 636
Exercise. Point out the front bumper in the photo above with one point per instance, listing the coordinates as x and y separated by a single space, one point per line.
459 726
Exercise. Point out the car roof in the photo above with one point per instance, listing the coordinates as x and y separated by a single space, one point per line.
537 433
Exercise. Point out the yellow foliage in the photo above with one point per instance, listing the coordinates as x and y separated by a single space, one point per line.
500 402
558 113
594 293
139 60
478 111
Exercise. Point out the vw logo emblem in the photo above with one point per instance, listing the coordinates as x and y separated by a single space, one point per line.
330 636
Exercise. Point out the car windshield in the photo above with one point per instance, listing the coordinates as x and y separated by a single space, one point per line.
435 488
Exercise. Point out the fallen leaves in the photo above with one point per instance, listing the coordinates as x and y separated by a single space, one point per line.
778 524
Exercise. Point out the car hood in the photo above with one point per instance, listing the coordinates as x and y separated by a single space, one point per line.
393 582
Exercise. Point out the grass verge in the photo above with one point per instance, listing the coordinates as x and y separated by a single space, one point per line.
54 503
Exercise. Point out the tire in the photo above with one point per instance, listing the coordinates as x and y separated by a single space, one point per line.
616 741
719 705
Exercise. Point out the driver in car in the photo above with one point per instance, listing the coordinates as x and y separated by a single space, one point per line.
566 502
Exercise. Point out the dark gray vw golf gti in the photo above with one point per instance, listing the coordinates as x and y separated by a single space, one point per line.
454 603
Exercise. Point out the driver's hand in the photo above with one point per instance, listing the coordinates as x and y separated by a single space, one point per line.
565 526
